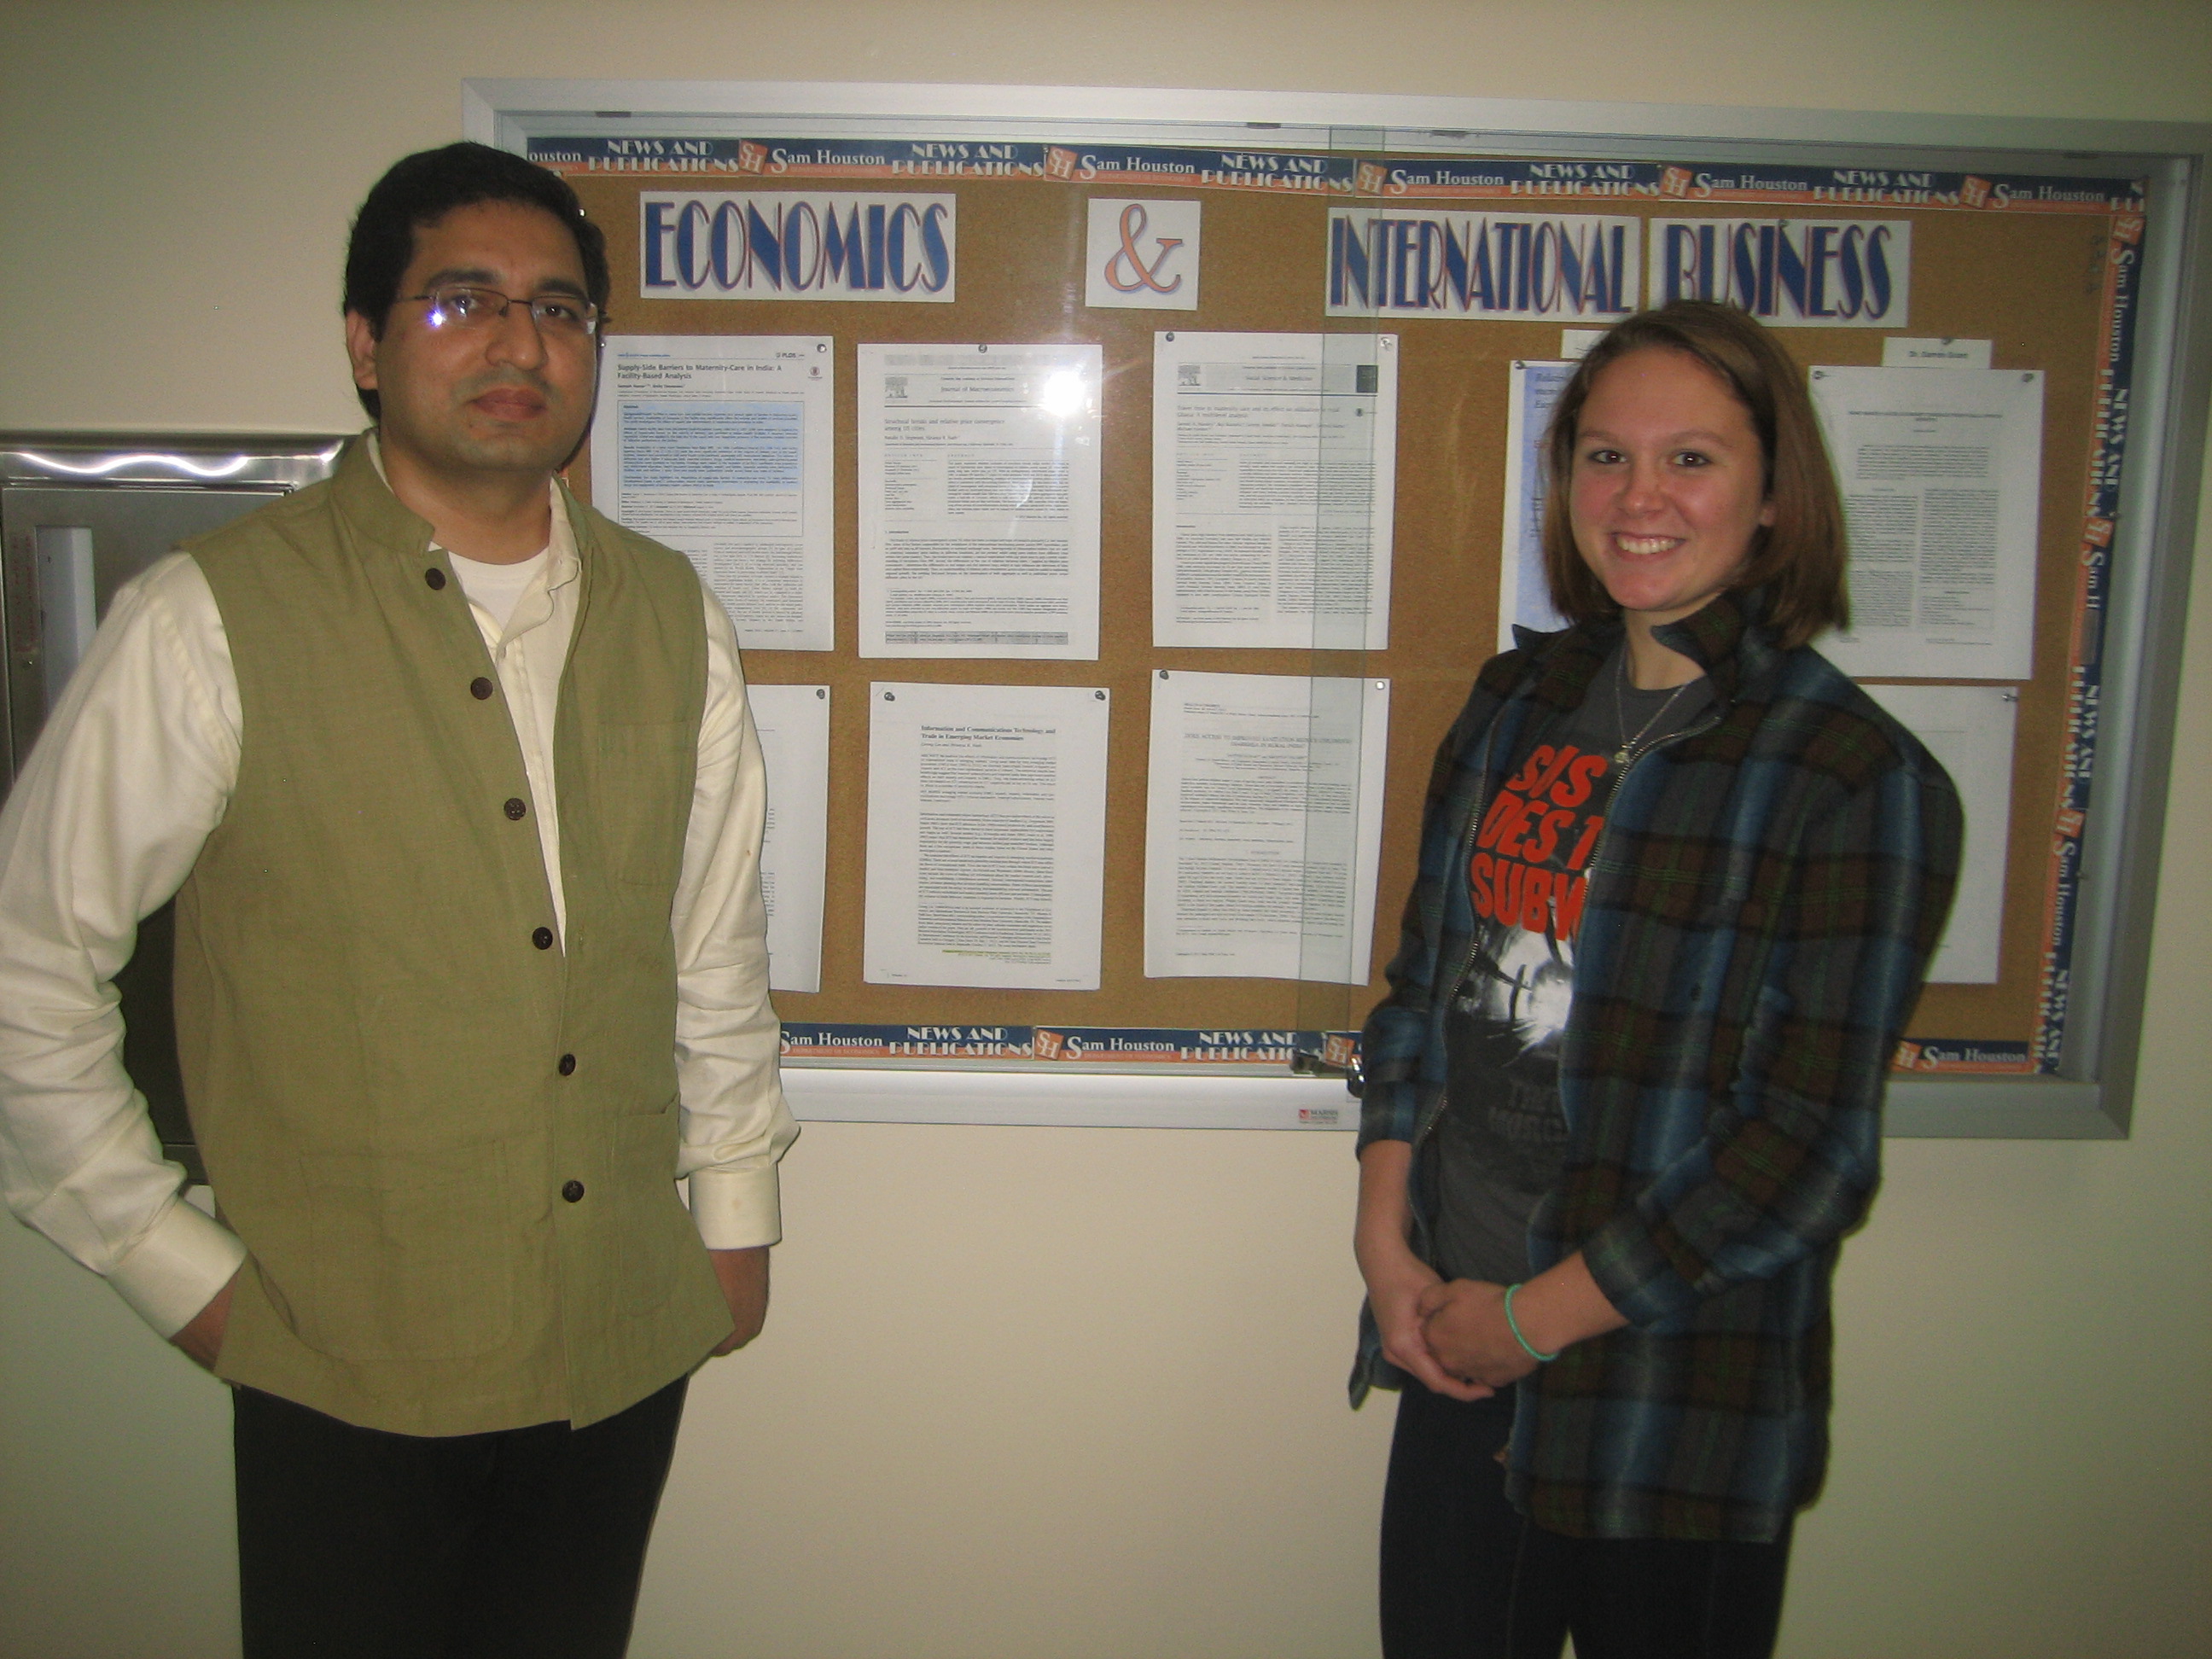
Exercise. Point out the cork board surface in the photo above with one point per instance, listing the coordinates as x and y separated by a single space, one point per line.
2031 285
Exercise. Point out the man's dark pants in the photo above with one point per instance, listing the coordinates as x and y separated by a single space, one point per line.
357 1544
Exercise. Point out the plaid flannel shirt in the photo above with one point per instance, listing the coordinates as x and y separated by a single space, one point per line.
1759 914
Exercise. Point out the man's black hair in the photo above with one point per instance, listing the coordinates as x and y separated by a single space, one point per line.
423 188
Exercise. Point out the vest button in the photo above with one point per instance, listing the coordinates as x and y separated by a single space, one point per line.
568 1065
480 688
515 808
573 1191
543 938
435 577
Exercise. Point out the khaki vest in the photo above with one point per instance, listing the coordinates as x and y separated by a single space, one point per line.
449 1232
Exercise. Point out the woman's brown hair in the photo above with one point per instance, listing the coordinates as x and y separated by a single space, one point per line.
1799 558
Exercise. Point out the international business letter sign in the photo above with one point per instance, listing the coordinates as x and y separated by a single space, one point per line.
1506 267
796 245
1789 272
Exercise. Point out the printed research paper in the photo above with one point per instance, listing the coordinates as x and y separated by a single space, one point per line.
1263 824
720 446
986 834
1274 469
979 500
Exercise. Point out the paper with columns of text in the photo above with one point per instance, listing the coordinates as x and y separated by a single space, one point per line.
793 722
721 447
1263 824
986 834
1941 471
1969 730
979 500
1523 595
1274 474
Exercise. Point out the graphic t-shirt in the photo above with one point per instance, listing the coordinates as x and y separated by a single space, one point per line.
1502 1139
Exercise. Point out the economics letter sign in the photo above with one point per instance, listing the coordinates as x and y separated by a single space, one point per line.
795 246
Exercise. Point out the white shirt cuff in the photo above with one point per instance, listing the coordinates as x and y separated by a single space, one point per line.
737 1209
177 1268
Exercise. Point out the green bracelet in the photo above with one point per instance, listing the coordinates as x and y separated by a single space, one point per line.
1513 1326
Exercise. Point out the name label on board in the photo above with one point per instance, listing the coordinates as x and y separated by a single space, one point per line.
1899 352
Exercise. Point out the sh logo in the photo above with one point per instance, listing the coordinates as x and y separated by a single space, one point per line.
1143 255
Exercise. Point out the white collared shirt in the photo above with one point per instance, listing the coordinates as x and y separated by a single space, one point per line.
136 768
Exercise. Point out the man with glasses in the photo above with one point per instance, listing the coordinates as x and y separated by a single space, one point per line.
455 785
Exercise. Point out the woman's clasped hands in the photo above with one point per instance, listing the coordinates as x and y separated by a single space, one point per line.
1465 1324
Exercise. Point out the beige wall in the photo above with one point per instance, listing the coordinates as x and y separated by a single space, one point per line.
1074 1393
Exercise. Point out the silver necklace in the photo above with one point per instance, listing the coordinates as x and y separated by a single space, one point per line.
1629 750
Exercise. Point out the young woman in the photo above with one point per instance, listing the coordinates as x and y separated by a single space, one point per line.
1679 882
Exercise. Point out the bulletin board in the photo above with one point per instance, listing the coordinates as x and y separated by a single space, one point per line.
2047 267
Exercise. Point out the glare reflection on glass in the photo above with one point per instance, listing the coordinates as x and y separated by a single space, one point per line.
1061 395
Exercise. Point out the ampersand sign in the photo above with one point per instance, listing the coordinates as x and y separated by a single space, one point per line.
1128 256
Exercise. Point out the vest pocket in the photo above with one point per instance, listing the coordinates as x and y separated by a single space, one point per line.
413 1254
657 1243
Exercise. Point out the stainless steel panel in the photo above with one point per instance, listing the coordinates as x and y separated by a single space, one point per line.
131 526
203 463
117 505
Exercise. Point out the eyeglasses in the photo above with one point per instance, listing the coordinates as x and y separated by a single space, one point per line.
458 305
